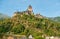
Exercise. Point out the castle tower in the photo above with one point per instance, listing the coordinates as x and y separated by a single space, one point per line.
30 10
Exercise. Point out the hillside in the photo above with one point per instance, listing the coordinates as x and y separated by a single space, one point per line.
3 16
57 19
26 23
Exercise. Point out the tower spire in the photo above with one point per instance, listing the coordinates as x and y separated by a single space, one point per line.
30 8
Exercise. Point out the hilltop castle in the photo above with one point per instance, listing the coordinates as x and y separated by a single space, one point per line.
28 11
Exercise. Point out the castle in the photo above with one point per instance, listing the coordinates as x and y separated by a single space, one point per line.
28 11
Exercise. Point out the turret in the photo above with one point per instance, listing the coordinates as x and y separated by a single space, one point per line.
30 10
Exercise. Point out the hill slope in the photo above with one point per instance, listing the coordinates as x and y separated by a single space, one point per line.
3 16
57 19
26 24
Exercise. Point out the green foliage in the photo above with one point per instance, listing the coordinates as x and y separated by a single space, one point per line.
38 37
29 24
18 29
5 26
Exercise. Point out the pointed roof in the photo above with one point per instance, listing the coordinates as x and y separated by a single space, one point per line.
30 6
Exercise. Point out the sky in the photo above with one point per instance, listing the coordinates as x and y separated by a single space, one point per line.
48 8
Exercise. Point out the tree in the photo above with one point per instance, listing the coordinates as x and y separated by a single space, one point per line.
18 29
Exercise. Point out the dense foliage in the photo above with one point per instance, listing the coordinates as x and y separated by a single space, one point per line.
29 24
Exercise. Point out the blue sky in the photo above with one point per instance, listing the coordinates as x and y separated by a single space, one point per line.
48 8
